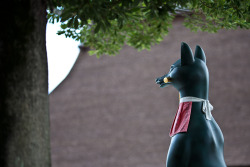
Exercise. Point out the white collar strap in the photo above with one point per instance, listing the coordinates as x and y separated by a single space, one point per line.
206 106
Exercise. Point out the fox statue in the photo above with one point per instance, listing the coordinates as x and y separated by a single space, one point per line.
196 139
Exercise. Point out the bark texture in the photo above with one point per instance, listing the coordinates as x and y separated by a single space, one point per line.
24 115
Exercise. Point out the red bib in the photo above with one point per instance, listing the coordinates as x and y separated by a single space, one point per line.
181 119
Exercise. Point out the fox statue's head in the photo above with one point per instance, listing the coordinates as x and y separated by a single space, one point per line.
189 75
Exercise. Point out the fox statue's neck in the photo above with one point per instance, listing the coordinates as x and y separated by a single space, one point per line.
200 90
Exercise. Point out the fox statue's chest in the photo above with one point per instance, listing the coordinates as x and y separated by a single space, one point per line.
183 114
195 139
182 118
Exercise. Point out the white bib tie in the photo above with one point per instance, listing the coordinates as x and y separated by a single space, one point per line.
206 106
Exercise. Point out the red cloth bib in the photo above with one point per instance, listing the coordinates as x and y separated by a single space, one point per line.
181 119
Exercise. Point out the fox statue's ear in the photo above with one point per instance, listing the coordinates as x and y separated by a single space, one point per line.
199 53
186 55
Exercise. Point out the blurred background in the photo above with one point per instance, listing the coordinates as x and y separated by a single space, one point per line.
109 112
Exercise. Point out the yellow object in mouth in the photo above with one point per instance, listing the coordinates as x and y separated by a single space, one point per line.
166 80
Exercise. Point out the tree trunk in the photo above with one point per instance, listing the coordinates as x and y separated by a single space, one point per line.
24 115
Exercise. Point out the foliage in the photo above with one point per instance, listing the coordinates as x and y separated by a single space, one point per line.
212 16
106 25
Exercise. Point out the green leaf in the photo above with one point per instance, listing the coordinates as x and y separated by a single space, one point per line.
76 23
60 32
70 22
97 28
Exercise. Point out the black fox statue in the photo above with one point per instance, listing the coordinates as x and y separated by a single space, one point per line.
196 139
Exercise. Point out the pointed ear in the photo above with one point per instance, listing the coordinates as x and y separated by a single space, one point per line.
186 55
199 53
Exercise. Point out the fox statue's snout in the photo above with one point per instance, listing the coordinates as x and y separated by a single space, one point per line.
163 81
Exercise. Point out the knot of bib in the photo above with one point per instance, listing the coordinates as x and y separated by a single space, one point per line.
206 106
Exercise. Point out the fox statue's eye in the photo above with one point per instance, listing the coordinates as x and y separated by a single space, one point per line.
171 68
